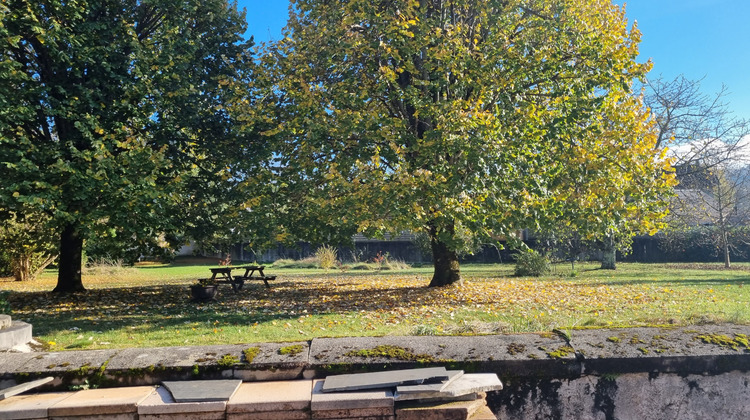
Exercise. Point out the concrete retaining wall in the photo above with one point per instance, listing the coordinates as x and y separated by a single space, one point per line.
642 396
700 372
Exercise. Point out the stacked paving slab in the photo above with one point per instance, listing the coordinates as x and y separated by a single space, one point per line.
14 335
462 397
412 394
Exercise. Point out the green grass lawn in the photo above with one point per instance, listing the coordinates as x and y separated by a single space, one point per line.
150 306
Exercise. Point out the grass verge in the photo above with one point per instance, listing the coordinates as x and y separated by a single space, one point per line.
150 306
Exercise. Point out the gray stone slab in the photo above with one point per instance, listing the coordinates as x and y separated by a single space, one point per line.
379 398
161 402
452 376
5 321
202 391
18 389
467 384
387 379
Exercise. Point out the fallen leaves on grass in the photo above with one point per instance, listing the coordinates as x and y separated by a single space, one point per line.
302 306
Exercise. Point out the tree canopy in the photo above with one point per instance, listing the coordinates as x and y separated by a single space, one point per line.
465 120
116 114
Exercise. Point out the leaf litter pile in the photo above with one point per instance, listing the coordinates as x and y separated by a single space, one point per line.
300 307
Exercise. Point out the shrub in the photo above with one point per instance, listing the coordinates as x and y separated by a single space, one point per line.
531 263
105 266
4 304
327 257
425 330
396 265
309 262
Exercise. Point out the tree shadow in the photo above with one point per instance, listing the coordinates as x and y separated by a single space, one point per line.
156 307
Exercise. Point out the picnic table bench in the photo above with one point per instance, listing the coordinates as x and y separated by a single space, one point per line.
224 275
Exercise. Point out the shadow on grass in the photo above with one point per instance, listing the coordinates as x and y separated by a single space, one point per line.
157 307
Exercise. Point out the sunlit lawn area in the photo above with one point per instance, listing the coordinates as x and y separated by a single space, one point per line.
150 306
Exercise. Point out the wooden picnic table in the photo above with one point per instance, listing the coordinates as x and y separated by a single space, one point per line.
224 275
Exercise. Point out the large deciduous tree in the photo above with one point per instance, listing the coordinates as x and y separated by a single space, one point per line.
463 119
110 109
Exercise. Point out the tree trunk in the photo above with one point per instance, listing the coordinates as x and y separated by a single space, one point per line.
725 245
28 267
609 256
71 253
445 262
21 267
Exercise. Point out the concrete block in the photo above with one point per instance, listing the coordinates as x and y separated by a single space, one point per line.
270 415
5 321
212 415
102 402
18 389
30 406
483 413
160 402
18 333
353 413
11 363
445 398
366 418
68 363
176 363
279 396
381 398
461 410
121 416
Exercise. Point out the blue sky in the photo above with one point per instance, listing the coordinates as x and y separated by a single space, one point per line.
707 39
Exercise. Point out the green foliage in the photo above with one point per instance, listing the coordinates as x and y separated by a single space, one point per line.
327 257
130 129
310 262
26 242
531 263
4 304
465 120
